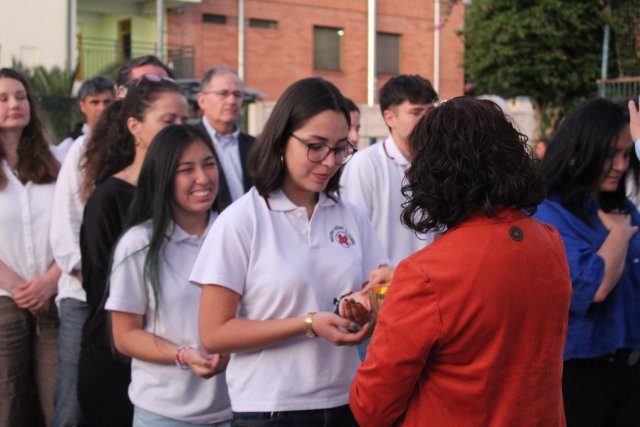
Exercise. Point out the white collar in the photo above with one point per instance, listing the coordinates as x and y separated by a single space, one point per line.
278 201
393 153
217 136
180 235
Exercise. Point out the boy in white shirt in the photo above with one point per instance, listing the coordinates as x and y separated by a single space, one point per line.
373 179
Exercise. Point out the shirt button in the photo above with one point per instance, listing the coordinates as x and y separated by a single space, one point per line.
636 260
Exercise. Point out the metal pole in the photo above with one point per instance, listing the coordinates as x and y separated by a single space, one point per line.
371 58
72 57
436 46
241 39
605 55
160 29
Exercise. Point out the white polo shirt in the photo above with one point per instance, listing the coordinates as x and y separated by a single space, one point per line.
66 220
286 265
372 180
166 390
25 217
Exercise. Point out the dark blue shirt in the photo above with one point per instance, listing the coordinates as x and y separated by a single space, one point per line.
596 329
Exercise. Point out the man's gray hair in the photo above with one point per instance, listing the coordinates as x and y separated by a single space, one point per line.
96 85
217 69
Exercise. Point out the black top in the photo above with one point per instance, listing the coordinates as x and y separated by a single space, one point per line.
102 225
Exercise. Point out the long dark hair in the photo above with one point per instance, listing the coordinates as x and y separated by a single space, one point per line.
574 163
299 102
111 147
154 192
467 159
36 163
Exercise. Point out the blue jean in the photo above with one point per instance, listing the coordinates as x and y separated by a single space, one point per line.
331 417
73 314
142 418
362 348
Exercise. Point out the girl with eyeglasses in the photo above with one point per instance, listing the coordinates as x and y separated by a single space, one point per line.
28 273
113 158
154 308
274 261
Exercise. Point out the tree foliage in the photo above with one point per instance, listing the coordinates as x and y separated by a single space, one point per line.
549 50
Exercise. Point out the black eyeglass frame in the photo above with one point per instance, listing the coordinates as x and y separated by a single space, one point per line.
309 145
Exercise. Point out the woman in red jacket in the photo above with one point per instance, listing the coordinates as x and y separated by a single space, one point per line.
474 325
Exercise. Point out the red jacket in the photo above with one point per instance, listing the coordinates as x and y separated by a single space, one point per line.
472 331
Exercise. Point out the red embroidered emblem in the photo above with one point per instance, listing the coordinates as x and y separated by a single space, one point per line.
340 235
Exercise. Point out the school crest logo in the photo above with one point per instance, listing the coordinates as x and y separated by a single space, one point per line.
340 235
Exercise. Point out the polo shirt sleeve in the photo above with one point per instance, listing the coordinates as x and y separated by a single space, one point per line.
127 288
356 182
224 255
397 356
373 252
585 265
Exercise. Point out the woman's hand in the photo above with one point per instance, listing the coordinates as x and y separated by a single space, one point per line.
338 330
618 221
205 365
380 276
356 307
36 293
634 120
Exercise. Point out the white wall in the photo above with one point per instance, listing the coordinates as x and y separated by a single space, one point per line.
371 122
520 109
34 32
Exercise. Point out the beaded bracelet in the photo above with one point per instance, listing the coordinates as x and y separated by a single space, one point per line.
180 356
336 301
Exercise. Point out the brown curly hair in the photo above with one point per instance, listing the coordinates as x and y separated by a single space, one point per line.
467 159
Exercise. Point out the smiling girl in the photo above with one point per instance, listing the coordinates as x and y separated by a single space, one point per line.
154 308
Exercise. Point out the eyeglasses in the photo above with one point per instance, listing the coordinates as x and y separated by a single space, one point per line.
224 94
318 151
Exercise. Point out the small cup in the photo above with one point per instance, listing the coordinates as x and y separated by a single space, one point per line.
376 297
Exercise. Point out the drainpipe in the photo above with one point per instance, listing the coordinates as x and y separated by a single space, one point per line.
371 55
241 39
436 46
160 29
605 55
72 55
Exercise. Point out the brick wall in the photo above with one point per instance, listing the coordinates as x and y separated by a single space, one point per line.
274 58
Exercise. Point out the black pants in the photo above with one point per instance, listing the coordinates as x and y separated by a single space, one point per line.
331 417
600 393
103 384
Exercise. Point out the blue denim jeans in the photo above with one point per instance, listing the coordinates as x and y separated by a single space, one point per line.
362 348
142 418
73 314
332 417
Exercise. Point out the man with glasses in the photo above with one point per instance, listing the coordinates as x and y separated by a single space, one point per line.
220 99
373 179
